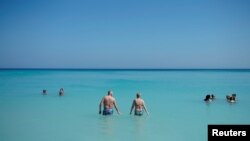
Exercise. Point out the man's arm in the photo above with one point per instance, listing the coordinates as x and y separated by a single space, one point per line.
116 107
132 107
144 107
100 106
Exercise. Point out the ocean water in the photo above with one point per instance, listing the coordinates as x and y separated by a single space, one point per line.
174 99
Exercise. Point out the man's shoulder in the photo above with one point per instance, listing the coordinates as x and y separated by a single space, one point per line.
141 100
106 97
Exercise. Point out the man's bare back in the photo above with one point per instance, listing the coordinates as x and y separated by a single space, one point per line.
108 103
139 105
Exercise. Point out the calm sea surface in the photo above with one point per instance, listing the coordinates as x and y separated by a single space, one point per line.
174 99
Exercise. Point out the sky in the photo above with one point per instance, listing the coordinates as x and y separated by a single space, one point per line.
124 34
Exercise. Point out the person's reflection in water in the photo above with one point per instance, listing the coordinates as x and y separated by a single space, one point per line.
107 125
139 125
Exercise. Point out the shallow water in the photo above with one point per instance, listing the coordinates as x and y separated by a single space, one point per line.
174 99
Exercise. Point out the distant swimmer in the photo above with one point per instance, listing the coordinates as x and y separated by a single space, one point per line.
139 106
212 96
45 92
231 98
208 98
61 92
108 103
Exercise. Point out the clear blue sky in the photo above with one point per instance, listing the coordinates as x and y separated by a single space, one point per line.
125 34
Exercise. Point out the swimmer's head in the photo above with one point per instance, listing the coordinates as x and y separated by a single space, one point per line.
138 95
110 93
233 95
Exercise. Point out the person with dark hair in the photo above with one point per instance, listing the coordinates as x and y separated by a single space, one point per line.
231 98
61 92
45 92
212 97
139 106
207 98
108 103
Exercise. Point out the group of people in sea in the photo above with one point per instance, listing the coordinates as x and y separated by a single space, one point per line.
229 98
60 93
108 102
138 104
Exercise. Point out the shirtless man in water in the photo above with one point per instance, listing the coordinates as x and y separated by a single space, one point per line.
108 102
139 106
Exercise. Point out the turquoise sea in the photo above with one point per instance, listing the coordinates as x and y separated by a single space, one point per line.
174 99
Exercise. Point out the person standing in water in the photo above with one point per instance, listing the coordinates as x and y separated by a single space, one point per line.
45 92
61 92
139 106
108 103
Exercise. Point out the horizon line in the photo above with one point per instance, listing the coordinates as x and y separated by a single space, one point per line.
124 68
